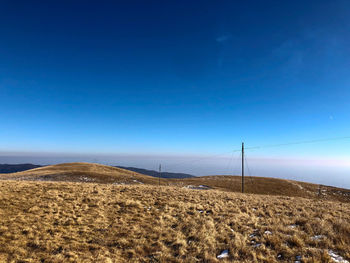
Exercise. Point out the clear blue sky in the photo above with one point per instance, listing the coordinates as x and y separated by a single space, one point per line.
174 77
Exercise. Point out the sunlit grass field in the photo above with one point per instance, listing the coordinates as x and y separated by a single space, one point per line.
88 222
97 173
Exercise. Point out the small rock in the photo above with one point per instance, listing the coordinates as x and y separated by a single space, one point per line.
336 258
223 254
297 259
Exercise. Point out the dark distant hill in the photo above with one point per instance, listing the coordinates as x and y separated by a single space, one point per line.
156 174
13 168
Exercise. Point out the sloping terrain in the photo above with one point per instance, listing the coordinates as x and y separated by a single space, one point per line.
80 222
89 172
14 168
81 172
268 186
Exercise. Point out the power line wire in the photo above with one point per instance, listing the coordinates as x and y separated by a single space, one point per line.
197 160
256 147
237 164
298 142
250 174
229 163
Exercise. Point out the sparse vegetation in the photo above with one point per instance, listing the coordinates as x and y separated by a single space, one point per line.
88 222
97 173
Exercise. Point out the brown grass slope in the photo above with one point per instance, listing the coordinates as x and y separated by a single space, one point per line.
81 172
268 186
90 172
79 222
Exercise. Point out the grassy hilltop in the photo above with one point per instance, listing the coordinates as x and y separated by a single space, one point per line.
81 172
97 173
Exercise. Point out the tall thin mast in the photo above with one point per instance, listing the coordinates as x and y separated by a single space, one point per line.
242 167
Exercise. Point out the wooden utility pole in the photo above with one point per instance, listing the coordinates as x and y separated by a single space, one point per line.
242 167
319 191
160 171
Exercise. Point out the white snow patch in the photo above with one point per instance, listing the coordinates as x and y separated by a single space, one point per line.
86 179
336 258
267 232
223 254
199 187
136 181
317 237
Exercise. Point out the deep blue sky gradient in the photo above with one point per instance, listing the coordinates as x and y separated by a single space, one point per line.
174 77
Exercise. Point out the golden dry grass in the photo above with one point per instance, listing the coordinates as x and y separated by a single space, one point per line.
268 186
88 222
89 172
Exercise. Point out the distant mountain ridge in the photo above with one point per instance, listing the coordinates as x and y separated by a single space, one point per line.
156 174
14 168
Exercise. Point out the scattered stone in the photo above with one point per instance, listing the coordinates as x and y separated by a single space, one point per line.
223 254
297 259
336 258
